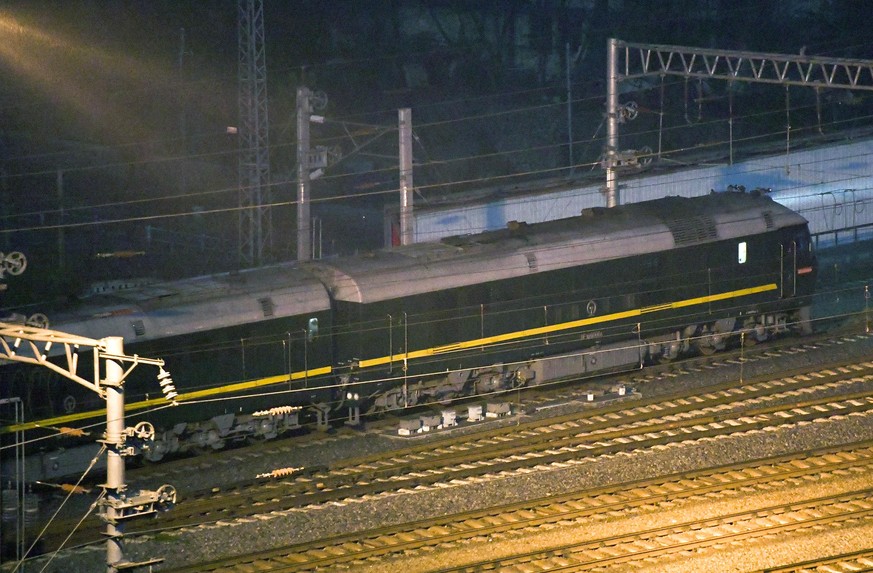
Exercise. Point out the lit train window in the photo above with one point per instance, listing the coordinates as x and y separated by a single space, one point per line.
741 252
312 329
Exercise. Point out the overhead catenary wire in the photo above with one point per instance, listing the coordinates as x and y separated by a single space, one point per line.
164 159
490 179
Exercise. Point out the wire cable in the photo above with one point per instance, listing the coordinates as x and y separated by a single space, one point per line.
91 509
58 510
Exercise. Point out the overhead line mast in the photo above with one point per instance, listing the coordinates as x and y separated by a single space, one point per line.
255 220
111 366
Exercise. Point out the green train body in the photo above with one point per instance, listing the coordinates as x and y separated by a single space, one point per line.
606 290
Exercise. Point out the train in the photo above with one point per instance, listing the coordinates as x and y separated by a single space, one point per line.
258 352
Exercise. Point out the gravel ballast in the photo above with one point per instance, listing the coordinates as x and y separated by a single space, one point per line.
218 540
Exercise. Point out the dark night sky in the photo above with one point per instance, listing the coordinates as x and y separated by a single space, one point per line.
109 92
112 71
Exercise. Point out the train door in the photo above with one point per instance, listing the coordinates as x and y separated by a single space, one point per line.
798 263
796 259
788 267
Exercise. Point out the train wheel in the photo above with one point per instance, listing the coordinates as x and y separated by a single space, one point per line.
150 459
755 335
665 359
254 439
706 349
200 450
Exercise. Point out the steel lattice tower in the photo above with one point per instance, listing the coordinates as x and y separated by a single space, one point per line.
255 234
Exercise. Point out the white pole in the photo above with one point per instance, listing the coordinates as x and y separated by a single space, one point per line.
115 485
611 122
407 223
304 111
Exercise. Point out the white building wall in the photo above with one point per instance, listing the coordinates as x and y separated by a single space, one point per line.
831 186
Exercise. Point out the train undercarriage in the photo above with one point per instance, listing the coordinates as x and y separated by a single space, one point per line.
704 338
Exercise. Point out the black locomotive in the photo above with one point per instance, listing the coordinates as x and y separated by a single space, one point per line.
430 322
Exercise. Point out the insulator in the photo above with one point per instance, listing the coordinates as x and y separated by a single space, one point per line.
76 489
75 432
283 472
166 383
277 411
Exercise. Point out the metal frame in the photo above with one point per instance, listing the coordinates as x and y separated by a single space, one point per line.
255 219
32 345
627 60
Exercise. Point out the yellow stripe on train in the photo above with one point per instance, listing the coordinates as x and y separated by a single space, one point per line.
542 330
161 401
368 363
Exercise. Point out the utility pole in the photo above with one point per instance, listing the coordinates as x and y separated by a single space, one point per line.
569 108
183 119
612 198
61 246
15 264
115 470
304 111
31 345
407 222
307 159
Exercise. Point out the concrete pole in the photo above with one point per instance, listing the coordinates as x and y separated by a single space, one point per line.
407 223
115 485
304 111
569 109
62 263
612 198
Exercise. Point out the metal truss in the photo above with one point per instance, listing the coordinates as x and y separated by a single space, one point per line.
638 60
33 345
255 221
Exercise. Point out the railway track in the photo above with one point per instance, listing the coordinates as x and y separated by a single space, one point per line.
575 509
533 398
855 562
537 397
581 437
675 540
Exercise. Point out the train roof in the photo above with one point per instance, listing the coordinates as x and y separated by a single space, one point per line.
596 235
197 304
212 302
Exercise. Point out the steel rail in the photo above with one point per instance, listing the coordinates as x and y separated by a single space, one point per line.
430 533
